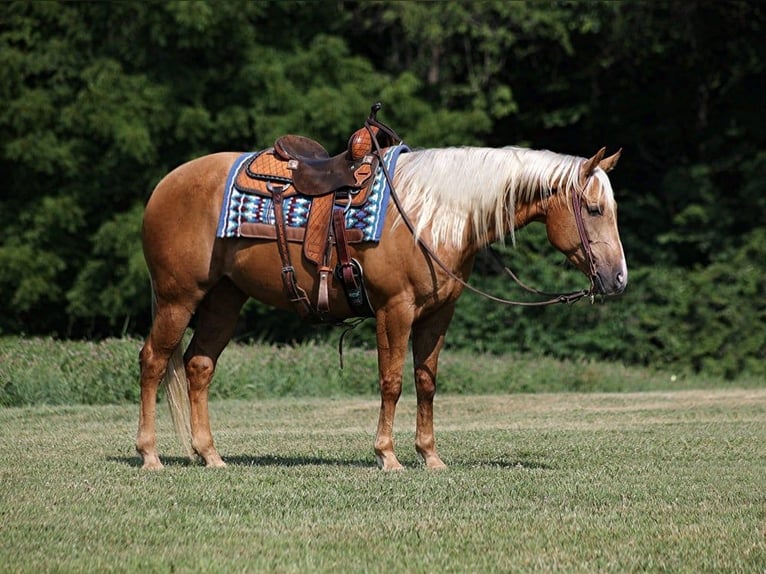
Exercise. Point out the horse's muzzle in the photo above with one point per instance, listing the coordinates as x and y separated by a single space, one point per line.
610 282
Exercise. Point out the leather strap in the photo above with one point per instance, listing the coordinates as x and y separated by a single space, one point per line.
341 245
295 294
355 294
584 240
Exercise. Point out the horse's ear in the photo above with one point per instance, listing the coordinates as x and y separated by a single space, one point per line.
608 163
590 165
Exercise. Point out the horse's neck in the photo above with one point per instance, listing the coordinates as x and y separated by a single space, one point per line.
528 207
527 212
477 195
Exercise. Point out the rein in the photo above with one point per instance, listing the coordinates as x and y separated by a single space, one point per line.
554 298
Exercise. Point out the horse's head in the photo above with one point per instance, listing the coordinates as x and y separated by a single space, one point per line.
582 223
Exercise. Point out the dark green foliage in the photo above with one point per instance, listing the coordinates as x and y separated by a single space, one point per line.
114 283
708 319
99 100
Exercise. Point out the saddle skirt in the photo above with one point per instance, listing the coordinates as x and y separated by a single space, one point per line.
248 210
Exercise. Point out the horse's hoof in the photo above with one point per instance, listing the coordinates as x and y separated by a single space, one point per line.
435 464
431 459
152 464
211 458
389 462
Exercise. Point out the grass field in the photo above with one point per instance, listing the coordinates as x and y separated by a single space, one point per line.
655 481
37 371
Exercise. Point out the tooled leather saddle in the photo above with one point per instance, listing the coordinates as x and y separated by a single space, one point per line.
297 165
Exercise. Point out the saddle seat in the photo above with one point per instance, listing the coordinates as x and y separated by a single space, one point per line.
299 148
306 168
316 173
297 165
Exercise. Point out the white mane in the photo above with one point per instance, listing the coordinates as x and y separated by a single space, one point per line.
460 191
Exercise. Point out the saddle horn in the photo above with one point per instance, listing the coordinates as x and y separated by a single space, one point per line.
385 136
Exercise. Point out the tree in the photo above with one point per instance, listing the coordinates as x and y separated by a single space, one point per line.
99 100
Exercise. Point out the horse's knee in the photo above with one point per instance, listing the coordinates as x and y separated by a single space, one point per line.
145 356
390 388
152 365
425 384
199 371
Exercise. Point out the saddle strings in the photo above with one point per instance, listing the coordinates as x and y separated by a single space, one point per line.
555 298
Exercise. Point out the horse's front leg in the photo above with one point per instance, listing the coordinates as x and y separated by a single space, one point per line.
427 341
393 333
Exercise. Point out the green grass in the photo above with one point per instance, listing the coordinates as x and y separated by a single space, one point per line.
48 372
661 481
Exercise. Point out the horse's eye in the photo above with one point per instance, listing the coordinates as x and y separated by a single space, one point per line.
594 210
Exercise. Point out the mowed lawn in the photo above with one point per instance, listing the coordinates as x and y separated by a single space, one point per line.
548 482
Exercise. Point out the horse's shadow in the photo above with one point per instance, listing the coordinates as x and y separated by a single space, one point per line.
245 460
523 463
291 461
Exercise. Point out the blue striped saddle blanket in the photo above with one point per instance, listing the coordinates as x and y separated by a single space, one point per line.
240 209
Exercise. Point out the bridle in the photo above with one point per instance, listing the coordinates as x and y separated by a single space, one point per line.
554 298
585 242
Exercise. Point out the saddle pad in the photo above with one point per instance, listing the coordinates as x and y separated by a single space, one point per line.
240 210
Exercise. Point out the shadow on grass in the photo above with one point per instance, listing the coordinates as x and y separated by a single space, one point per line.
268 460
136 462
520 463
296 461
288 461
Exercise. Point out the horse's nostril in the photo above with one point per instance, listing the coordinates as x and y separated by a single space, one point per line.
620 278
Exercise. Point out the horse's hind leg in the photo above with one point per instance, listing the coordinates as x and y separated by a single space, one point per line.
216 319
166 333
427 340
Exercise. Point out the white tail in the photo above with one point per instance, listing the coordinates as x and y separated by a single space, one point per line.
177 391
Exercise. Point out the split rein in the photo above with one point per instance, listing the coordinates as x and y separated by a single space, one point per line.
554 298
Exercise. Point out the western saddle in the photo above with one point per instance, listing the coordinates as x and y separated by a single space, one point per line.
297 165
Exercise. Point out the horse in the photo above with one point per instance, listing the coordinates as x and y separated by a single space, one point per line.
455 201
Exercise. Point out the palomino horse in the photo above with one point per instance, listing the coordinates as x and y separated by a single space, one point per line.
456 201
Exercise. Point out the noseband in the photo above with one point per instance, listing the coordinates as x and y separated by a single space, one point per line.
554 297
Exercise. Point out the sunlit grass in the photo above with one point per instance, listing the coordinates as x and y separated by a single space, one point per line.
664 481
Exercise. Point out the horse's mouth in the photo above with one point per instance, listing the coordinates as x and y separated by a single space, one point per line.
612 285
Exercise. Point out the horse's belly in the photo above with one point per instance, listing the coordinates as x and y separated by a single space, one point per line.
256 268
